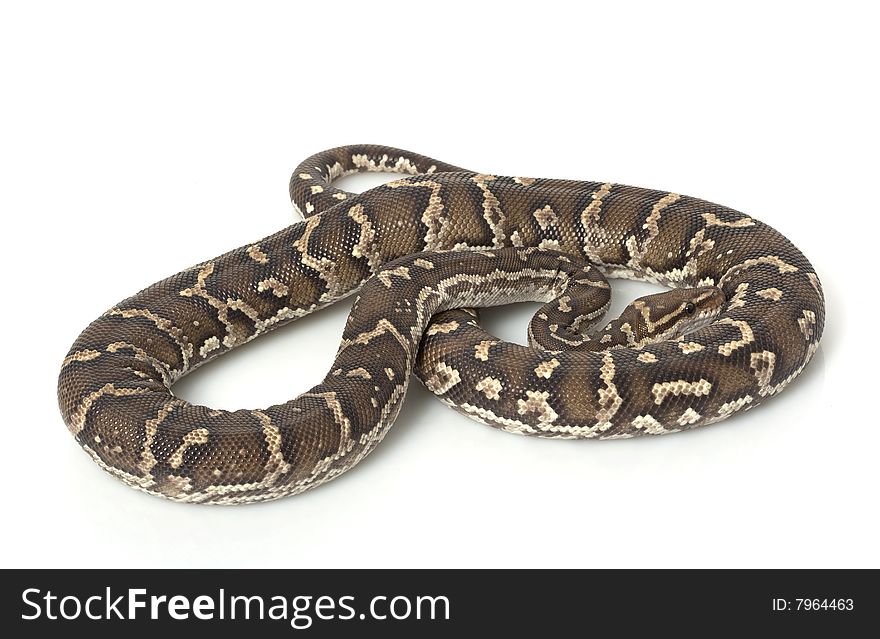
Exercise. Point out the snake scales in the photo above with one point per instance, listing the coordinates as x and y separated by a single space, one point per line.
422 248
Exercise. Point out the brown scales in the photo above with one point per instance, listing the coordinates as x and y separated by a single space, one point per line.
114 385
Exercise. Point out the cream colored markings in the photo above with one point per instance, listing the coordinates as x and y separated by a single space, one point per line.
445 327
81 356
525 181
444 378
361 372
647 358
317 188
340 195
546 217
690 416
680 387
257 254
346 443
773 294
400 164
382 327
549 244
555 430
649 425
432 216
757 364
814 281
322 472
591 213
211 344
807 324
481 350
492 212
371 438
365 246
637 253
536 402
774 260
486 416
728 408
336 170
499 284
490 387
738 299
590 224
385 276
218 493
713 220
425 264
279 289
325 267
554 334
763 364
176 486
135 481
745 330
234 334
645 312
195 437
389 373
164 325
593 284
78 416
627 330
283 314
275 465
545 369
588 317
305 176
609 399
690 347
151 427
163 369
697 247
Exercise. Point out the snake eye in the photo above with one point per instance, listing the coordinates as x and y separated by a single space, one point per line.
689 308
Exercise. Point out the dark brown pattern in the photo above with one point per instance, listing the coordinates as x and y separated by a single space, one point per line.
762 296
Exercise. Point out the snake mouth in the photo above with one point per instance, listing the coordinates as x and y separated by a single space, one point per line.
702 320
710 308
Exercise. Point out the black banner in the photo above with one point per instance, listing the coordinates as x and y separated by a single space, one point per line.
290 603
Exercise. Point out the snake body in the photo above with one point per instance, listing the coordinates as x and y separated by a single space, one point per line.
420 249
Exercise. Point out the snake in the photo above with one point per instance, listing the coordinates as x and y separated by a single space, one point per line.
743 316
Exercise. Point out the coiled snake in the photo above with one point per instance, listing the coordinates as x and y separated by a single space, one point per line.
744 318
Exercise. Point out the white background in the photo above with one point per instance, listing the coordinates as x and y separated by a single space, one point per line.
140 139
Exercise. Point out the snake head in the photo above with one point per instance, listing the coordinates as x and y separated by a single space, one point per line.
670 314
